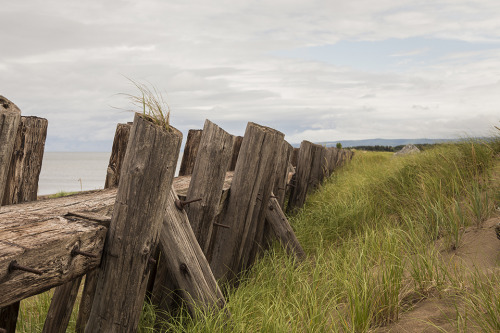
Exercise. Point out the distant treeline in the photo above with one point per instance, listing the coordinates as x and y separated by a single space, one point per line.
421 146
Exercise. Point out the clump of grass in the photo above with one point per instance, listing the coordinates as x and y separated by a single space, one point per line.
61 194
152 103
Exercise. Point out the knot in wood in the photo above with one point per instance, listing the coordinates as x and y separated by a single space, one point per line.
184 269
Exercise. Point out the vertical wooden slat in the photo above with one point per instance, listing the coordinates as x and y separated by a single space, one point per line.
236 151
141 201
117 155
190 152
250 193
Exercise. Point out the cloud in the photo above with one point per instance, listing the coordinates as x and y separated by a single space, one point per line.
314 70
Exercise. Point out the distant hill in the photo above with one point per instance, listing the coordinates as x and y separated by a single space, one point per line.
380 142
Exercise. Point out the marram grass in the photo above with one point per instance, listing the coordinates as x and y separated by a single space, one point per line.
375 234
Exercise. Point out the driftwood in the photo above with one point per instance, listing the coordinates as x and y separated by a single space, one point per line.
47 248
148 169
236 151
117 155
207 181
188 271
10 116
283 231
190 152
250 192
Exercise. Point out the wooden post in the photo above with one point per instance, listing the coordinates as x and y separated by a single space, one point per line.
310 155
22 182
283 231
61 307
236 151
10 116
207 181
117 155
190 152
26 162
295 155
188 271
141 201
281 175
250 193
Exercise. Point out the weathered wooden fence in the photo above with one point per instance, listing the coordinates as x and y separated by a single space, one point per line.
147 233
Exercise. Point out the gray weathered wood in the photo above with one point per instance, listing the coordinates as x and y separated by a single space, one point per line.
10 116
147 173
116 160
310 155
236 151
250 192
190 152
282 172
117 155
61 307
22 182
207 180
46 246
188 270
26 162
283 231
87 298
295 155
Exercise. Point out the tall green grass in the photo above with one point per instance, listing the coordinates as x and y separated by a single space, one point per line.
376 234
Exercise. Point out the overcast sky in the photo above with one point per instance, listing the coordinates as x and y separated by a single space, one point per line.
315 70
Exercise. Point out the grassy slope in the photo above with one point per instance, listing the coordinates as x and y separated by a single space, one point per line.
371 235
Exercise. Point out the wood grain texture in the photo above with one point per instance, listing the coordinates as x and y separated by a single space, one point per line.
188 270
46 246
295 155
250 192
283 231
147 172
236 151
26 162
61 307
190 152
10 116
207 181
86 301
117 155
282 172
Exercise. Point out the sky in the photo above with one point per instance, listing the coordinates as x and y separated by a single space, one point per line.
314 70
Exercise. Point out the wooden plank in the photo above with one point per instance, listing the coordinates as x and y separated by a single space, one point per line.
26 162
250 192
283 231
148 169
22 182
117 155
295 155
188 270
190 152
61 307
309 156
282 173
10 116
46 246
207 181
236 151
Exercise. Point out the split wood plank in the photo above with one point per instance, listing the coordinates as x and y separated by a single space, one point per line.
10 116
26 162
190 152
117 155
148 170
61 307
250 193
188 270
207 181
282 173
283 230
46 246
236 151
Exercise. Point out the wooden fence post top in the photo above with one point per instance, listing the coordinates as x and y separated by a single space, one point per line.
7 106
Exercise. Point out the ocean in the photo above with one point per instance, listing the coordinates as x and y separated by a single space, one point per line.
72 172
